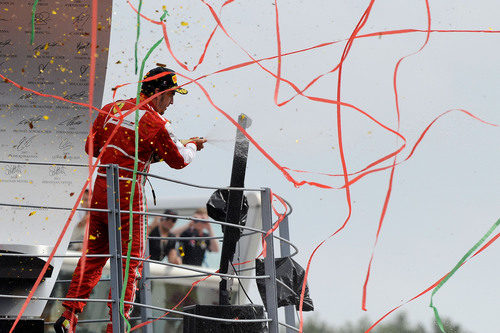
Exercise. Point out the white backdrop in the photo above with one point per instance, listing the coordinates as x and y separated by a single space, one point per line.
40 129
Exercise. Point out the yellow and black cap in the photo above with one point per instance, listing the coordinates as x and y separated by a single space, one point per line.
162 83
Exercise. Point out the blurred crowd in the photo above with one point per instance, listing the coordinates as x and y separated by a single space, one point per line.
198 232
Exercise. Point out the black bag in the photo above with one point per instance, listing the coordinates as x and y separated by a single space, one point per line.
290 276
217 207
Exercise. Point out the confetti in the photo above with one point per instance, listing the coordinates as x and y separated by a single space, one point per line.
183 23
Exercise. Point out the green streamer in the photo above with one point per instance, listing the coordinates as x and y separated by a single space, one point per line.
134 179
33 12
138 32
457 266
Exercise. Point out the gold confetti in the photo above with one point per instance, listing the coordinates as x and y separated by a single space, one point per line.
32 213
46 117
92 237
54 12
184 23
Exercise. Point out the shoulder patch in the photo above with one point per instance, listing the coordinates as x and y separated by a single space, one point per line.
118 107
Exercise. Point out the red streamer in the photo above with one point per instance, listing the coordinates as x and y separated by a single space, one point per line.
393 168
370 168
425 291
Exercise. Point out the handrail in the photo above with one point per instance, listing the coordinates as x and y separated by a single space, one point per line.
198 316
50 164
55 256
132 170
246 231
191 268
90 321
56 208
191 184
197 238
40 298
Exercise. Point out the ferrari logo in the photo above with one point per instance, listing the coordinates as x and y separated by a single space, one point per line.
118 107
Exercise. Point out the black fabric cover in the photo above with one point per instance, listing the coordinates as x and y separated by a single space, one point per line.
196 325
31 325
290 273
12 267
217 207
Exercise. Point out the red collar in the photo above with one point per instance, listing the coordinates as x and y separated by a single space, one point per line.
147 106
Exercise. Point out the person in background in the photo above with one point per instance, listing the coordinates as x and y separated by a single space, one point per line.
81 218
161 248
193 250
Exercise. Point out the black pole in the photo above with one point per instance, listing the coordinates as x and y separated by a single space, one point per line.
234 204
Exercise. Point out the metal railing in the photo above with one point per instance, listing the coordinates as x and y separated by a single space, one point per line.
115 256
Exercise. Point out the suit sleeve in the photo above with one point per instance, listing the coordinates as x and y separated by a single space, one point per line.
168 148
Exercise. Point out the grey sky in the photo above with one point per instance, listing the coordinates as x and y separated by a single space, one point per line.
444 198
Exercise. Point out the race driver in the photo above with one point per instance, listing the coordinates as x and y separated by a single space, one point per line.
156 143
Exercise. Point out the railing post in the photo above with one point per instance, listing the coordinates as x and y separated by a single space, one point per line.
115 245
146 313
285 252
269 262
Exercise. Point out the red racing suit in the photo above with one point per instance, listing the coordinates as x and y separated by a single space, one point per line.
156 143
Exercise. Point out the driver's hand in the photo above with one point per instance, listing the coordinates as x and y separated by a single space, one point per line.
198 142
